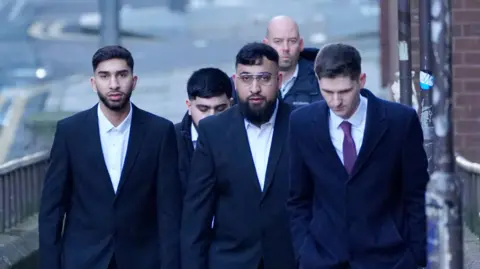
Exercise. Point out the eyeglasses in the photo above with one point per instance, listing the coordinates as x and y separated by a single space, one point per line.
264 79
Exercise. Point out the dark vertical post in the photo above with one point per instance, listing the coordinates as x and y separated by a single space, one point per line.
404 52
444 191
110 22
426 81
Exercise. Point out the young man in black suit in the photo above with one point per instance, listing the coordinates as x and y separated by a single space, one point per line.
239 176
112 196
209 92
358 174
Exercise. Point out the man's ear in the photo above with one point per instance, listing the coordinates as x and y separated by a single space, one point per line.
189 106
92 83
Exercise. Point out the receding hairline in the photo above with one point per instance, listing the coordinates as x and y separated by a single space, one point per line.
282 19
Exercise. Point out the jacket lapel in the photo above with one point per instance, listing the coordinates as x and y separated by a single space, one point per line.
375 128
321 132
186 135
280 131
243 154
94 146
137 133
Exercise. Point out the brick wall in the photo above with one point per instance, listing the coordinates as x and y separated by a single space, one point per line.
466 73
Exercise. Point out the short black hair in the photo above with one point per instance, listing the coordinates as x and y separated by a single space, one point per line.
112 52
253 53
337 60
209 82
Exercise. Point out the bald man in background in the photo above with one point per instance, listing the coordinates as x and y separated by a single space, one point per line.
300 85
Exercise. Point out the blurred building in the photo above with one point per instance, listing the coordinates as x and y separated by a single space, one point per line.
466 66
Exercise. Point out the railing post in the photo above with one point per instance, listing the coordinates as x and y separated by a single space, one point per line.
426 81
444 193
404 52
110 22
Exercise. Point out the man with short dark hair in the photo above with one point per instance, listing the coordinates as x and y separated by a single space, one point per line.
209 93
239 176
358 174
111 197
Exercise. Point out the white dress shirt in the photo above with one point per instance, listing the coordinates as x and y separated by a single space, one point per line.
288 84
114 142
358 120
194 135
260 141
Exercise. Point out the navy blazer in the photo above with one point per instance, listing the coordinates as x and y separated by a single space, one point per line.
83 222
374 218
251 226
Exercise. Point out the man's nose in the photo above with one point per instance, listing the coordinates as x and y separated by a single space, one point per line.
114 83
336 100
255 86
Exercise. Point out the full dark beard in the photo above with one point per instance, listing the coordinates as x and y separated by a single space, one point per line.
115 106
257 116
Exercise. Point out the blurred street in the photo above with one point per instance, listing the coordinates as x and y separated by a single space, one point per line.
47 45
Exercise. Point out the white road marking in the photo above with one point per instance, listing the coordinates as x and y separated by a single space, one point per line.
318 38
370 10
56 31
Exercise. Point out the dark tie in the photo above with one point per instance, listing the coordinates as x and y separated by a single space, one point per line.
349 150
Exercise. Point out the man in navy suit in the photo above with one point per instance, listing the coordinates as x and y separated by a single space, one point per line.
358 174
112 195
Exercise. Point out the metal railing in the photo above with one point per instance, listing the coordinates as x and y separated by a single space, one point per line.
469 173
21 182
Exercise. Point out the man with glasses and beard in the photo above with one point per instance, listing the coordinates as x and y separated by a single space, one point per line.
111 196
239 176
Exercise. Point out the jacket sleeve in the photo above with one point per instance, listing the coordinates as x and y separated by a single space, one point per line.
300 198
198 206
54 201
169 200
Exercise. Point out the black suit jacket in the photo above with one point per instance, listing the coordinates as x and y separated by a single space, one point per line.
185 148
139 224
374 218
250 225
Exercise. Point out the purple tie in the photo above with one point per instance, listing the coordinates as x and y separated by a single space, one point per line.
349 150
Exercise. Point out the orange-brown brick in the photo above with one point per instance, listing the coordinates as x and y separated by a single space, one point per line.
466 73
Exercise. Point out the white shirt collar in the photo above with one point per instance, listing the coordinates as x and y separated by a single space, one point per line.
268 123
288 84
356 119
293 77
194 133
105 125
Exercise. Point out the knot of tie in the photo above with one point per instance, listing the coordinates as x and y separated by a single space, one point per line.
347 128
